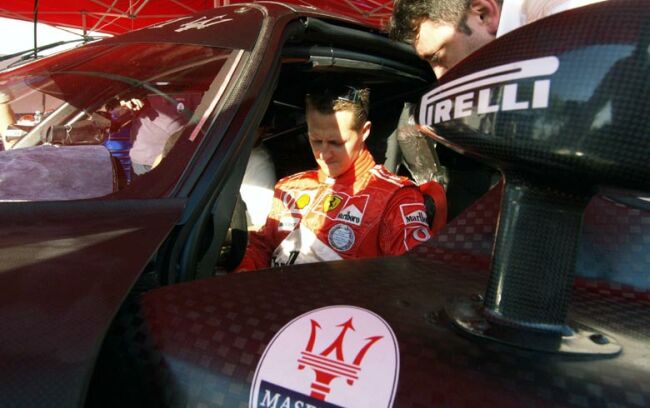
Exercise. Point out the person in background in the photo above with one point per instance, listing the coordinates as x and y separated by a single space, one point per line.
444 32
7 116
157 118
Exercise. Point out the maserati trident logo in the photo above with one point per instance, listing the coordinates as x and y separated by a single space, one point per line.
327 368
343 356
489 91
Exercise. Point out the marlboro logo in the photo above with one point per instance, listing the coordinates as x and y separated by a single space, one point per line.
413 214
331 348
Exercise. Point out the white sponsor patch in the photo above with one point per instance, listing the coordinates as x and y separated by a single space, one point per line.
302 246
341 356
413 214
421 234
288 223
203 22
332 209
415 232
476 92
341 237
350 214
297 201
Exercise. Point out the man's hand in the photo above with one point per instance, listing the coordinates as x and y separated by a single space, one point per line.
133 104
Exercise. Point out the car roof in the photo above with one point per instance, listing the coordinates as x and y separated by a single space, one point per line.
236 26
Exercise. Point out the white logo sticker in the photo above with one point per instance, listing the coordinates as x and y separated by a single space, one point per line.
341 237
350 214
166 23
203 22
422 234
288 223
337 356
297 201
474 93
413 213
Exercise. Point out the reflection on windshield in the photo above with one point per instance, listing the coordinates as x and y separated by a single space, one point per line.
109 112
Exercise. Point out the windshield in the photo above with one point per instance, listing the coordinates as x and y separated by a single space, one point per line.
92 121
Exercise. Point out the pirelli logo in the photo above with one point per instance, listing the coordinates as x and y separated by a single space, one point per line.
488 91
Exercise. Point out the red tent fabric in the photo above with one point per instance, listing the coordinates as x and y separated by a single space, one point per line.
119 16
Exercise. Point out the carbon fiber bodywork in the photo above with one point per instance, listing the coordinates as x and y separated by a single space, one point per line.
560 107
198 344
563 99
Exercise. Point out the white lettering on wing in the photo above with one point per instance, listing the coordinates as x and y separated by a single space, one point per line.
460 97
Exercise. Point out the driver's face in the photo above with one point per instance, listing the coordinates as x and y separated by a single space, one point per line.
334 141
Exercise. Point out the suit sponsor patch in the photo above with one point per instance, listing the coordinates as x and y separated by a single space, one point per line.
288 223
331 202
303 201
295 200
341 237
350 214
339 206
421 234
413 214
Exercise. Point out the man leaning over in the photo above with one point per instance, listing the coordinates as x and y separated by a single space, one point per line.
444 32
348 208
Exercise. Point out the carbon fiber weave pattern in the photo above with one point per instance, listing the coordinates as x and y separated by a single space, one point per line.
198 344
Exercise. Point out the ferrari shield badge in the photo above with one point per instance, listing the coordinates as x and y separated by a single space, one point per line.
337 356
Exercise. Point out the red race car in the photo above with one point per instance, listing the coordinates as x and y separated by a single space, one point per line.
115 266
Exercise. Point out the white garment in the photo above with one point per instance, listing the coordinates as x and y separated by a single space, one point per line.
515 13
153 126
257 186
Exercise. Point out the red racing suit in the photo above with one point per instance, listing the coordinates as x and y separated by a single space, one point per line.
365 212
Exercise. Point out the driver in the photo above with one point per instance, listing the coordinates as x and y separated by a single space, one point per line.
348 208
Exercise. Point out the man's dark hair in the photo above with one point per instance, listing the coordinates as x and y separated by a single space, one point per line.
408 14
331 96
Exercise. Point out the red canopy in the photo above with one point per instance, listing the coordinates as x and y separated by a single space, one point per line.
118 16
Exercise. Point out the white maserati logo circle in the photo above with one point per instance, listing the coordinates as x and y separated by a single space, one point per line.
337 356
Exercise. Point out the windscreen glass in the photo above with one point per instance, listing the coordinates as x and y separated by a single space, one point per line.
93 121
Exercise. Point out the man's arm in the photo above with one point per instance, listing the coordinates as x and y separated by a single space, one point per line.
404 225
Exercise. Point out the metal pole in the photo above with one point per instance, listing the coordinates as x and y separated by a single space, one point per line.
35 28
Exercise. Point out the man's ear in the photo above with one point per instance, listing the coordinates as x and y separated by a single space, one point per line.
488 12
365 130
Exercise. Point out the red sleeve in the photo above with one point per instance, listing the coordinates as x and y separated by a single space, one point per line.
262 243
404 224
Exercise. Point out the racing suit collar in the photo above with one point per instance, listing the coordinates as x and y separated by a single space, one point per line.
362 164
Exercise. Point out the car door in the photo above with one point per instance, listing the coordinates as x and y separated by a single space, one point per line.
69 258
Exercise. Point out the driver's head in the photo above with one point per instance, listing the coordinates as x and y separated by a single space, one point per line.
337 121
444 32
